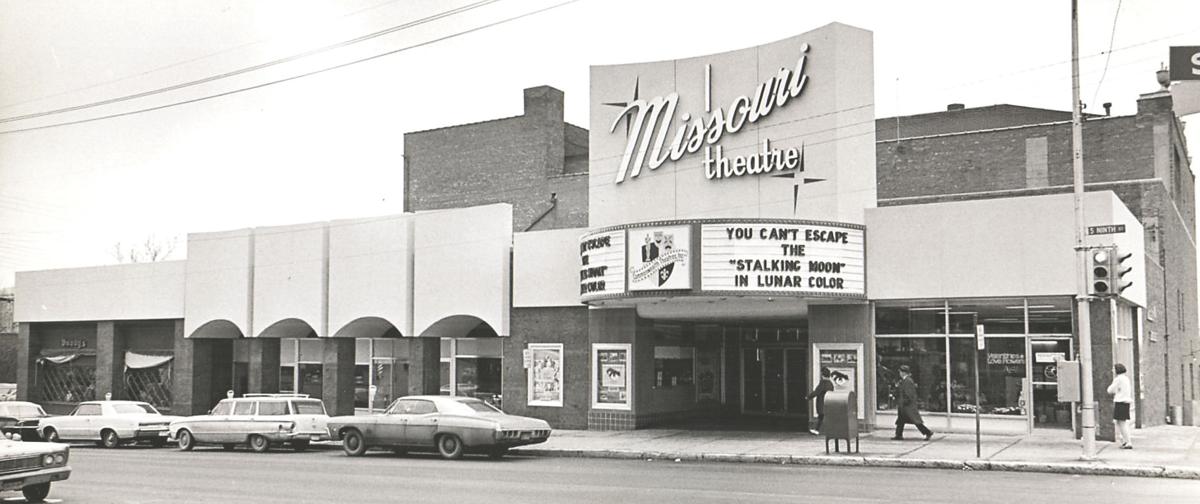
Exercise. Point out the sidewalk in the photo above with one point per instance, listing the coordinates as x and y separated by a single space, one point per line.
1165 451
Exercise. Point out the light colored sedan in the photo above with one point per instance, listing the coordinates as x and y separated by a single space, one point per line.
31 467
108 423
448 424
257 420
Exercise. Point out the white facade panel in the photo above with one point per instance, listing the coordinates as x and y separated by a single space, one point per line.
461 269
142 291
546 265
370 272
290 279
219 278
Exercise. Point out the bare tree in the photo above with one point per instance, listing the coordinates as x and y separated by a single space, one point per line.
153 249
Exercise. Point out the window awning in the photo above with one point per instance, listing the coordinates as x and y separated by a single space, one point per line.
134 360
58 359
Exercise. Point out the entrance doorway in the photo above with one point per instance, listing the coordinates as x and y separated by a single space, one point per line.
1048 412
773 381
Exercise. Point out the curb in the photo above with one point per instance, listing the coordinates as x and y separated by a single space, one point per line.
1153 471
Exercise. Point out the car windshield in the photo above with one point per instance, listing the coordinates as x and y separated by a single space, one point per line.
22 410
309 407
470 406
133 408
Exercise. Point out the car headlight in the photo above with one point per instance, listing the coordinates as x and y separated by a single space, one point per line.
60 458
48 459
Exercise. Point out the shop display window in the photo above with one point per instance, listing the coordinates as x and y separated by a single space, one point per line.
1051 315
1001 376
926 357
910 318
998 316
674 366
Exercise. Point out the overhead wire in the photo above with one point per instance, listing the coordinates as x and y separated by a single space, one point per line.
252 68
1111 37
175 64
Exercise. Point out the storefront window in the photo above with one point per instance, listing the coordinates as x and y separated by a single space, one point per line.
910 318
1001 376
674 366
1050 316
926 357
998 316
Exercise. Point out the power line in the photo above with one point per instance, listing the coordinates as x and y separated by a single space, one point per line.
253 68
175 64
295 77
1111 37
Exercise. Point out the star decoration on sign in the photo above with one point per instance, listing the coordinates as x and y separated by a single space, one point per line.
803 180
636 88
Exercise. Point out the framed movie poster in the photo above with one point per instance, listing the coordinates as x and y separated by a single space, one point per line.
845 364
658 258
612 370
545 374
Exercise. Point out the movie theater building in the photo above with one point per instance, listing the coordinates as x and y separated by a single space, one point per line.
726 227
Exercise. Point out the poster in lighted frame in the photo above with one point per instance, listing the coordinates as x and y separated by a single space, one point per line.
545 375
612 376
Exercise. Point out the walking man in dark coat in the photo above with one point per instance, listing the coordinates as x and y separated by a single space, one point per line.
818 393
906 410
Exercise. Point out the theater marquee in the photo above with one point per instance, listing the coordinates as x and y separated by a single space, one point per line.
767 257
805 258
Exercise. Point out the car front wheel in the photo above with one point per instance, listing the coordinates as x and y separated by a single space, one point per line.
51 435
259 443
36 493
186 441
353 443
109 439
449 446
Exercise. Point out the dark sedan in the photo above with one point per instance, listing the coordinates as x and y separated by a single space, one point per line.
446 424
19 417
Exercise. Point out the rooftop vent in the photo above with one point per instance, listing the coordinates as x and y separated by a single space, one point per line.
955 106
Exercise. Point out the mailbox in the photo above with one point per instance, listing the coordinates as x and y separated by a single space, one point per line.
841 419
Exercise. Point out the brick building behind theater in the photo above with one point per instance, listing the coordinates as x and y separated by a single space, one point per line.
1006 151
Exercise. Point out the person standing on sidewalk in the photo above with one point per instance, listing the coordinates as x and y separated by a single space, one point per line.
1122 391
906 408
818 393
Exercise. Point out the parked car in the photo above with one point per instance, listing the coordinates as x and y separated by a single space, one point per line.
31 467
449 425
20 417
108 423
258 420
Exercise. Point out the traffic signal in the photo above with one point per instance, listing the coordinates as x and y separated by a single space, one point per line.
1119 269
1107 271
1100 281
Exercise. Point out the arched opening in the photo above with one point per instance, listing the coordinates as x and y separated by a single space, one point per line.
471 357
381 361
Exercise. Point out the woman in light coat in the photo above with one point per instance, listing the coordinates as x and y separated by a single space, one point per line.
1122 392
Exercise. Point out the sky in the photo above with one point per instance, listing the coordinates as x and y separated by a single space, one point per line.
329 145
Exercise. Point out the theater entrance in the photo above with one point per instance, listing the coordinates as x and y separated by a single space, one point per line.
774 381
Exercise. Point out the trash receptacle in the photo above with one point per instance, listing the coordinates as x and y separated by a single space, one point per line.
841 419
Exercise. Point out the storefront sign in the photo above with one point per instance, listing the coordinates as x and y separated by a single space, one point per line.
1185 63
602 268
808 258
73 343
1048 357
658 258
1006 359
647 125
545 374
611 376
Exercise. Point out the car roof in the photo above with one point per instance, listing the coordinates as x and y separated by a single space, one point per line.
20 403
440 398
113 402
271 398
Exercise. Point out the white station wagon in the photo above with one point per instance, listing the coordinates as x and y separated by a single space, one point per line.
108 423
257 420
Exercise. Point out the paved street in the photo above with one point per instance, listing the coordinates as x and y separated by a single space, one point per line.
146 475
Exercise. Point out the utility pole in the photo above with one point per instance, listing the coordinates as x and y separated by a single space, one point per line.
1083 310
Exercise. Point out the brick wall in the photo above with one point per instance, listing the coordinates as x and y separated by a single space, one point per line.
535 161
7 324
566 325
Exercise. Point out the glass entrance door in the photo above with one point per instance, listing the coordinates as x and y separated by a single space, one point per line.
773 381
1047 411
